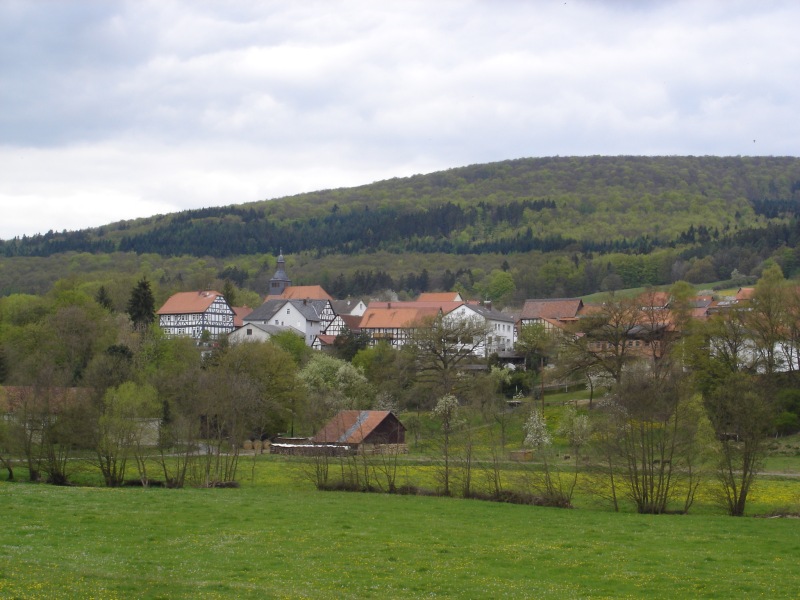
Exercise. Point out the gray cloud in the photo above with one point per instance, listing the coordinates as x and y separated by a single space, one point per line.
115 110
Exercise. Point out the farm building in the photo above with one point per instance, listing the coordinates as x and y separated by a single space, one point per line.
348 432
359 427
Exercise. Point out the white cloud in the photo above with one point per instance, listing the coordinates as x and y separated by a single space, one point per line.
123 109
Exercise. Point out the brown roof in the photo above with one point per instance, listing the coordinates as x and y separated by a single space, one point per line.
352 426
326 340
239 313
745 293
557 308
188 302
353 322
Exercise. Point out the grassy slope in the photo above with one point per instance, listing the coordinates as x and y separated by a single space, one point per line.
277 538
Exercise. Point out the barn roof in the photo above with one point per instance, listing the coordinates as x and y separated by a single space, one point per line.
352 426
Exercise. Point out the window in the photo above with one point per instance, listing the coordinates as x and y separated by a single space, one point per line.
249 332
288 311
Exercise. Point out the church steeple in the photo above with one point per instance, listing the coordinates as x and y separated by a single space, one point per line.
280 281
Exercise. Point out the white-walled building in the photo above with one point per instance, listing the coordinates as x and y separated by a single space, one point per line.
192 313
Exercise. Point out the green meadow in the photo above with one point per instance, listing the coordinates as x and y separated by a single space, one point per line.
276 537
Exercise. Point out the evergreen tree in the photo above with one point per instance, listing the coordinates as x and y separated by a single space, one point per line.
141 305
229 291
103 299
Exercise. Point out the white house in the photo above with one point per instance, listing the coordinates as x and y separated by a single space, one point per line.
307 317
255 332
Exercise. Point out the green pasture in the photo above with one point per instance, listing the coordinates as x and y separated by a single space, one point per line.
276 537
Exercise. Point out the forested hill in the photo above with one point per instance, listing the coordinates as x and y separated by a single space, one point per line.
505 231
590 204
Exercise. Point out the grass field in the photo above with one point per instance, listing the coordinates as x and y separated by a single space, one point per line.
276 537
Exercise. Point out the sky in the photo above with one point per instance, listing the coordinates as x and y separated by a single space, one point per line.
113 110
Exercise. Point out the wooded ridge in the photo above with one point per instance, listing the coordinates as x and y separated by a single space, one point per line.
671 216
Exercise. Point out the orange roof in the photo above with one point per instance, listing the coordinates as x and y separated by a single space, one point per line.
745 293
392 317
305 292
351 426
440 297
239 313
188 302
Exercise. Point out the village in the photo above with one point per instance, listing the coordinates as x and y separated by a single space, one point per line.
653 320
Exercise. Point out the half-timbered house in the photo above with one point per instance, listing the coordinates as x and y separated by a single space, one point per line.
192 313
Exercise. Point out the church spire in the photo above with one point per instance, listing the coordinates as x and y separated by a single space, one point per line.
280 281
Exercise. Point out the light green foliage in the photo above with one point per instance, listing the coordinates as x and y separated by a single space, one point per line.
499 287
294 344
122 426
344 385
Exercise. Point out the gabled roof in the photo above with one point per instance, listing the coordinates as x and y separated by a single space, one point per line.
326 340
310 309
189 302
745 293
353 322
352 426
270 330
344 307
440 297
393 317
267 310
303 292
556 308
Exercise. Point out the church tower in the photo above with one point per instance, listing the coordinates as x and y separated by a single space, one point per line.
280 281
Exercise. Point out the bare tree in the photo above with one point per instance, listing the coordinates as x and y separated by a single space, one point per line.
442 344
651 438
604 340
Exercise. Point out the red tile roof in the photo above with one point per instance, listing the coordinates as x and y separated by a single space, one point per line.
188 302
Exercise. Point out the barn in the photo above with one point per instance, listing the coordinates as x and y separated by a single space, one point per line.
362 427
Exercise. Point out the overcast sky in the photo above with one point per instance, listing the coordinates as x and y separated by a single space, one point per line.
116 110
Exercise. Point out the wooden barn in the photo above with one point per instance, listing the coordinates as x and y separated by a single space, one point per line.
350 432
362 427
